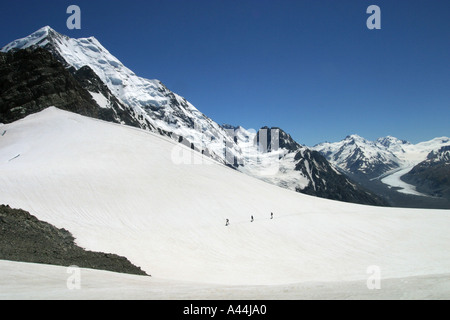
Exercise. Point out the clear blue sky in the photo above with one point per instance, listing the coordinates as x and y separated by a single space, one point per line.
310 67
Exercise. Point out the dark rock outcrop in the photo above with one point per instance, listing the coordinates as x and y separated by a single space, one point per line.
25 238
275 134
32 80
327 183
432 176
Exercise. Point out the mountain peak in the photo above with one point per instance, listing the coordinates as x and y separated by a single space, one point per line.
354 137
37 38
46 29
389 141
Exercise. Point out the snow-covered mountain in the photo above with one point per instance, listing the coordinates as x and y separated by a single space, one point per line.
359 156
269 154
432 176
393 144
32 79
415 153
441 155
284 162
388 159
154 106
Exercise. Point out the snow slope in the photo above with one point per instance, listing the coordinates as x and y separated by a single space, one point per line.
130 192
50 282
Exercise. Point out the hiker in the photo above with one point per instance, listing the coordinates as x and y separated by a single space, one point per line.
252 219
227 223
271 215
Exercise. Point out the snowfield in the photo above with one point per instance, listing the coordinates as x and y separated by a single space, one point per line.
32 281
130 192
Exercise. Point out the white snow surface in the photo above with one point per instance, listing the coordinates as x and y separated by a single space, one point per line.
122 190
19 281
101 100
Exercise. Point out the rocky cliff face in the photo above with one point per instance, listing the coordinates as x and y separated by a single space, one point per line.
32 80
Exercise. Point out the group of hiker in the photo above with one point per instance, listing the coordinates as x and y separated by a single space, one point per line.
251 219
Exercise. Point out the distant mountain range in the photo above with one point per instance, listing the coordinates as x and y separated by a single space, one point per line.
357 155
419 170
432 176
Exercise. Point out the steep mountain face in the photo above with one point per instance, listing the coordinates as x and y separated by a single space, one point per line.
432 176
31 80
154 107
327 182
114 93
360 157
118 111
